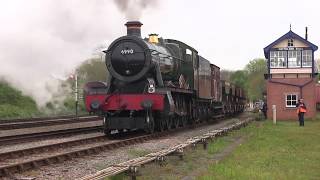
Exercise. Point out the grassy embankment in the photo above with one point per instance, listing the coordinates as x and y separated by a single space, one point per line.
14 104
260 151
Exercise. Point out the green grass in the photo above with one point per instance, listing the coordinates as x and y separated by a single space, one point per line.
282 151
174 168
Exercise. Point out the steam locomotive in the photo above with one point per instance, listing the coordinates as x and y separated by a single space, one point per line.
159 84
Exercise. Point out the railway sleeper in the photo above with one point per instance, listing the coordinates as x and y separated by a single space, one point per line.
12 155
95 150
109 147
20 167
98 149
78 154
6 172
48 162
87 151
34 164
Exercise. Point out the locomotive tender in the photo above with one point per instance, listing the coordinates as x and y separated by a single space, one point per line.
158 84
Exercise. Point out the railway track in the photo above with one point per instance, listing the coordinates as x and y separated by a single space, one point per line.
22 160
9 140
38 122
131 166
26 159
2 121
26 130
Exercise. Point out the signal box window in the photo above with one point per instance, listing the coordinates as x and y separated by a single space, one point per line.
188 51
278 59
294 58
306 58
291 100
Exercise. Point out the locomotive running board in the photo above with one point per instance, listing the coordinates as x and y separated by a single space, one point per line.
180 90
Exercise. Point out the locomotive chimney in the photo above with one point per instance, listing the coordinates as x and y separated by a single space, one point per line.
134 28
306 36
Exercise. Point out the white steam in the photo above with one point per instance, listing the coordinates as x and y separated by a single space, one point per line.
39 38
133 8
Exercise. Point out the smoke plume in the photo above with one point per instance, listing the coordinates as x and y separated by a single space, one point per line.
43 39
133 8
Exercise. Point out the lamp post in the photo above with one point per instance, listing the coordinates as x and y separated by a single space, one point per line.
76 95
76 92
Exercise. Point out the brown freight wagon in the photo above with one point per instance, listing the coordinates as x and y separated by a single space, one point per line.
204 79
215 82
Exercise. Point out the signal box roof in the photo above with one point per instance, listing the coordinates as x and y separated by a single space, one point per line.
288 35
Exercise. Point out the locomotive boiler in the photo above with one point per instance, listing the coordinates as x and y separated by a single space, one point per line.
154 84
131 58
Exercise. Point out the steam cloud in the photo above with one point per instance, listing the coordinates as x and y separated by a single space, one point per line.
40 39
134 8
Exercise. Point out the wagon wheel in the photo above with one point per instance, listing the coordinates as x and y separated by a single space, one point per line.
107 132
169 122
181 121
208 114
149 126
184 121
162 125
176 121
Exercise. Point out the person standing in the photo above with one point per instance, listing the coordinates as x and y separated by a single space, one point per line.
301 109
265 109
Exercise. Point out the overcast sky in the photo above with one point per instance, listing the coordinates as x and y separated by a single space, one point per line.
39 38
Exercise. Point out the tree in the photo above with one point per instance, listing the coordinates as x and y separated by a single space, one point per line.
92 70
256 82
257 66
240 78
251 79
225 75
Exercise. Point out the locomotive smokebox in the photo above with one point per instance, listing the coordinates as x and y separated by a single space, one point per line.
128 58
134 28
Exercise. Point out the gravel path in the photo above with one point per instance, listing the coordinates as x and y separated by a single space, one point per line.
83 166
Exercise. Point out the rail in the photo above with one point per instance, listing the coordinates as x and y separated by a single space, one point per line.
45 122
